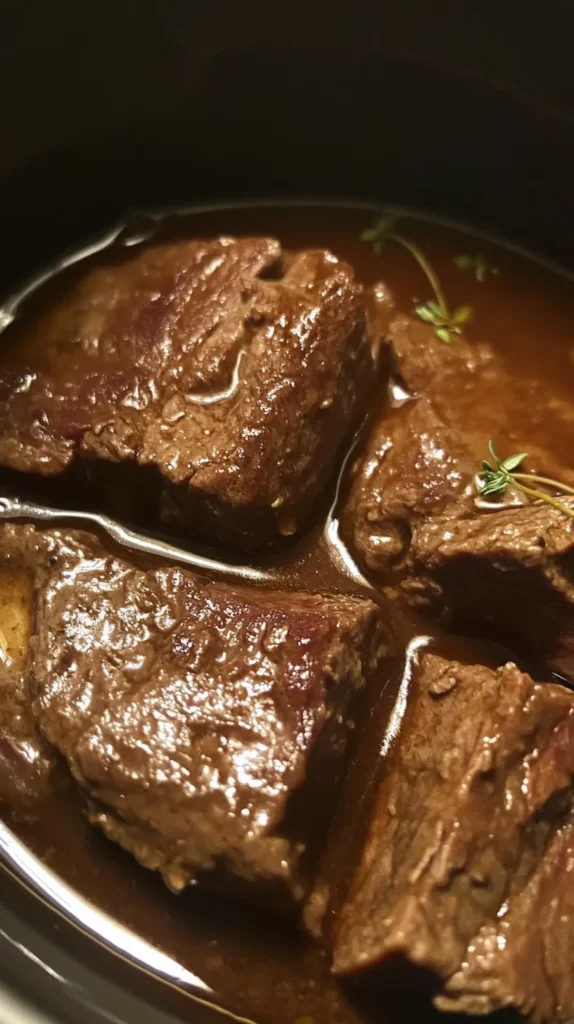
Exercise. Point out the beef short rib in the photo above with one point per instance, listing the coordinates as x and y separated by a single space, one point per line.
180 371
190 711
412 518
469 807
524 959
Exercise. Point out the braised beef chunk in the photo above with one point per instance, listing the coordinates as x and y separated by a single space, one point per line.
236 390
417 462
412 513
510 573
466 812
420 360
189 710
524 958
25 758
415 466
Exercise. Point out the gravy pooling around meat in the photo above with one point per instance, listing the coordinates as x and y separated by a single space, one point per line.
521 345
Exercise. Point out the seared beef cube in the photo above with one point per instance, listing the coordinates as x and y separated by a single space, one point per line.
236 391
472 793
507 573
412 515
26 761
414 466
524 959
189 711
416 462
420 361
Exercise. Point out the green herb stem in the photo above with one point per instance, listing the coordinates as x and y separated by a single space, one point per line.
436 311
543 480
540 495
426 268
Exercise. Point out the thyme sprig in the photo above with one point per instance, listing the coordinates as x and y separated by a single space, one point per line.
503 473
436 311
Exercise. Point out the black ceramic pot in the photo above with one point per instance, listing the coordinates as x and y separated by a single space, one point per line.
466 110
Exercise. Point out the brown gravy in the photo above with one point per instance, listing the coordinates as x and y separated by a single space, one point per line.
261 968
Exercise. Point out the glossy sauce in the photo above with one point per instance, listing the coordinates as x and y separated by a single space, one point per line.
259 966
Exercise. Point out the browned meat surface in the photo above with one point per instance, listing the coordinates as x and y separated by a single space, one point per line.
466 812
477 391
524 959
236 391
509 572
419 359
412 514
25 759
188 710
415 466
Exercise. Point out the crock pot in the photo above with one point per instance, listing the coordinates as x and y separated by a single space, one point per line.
465 110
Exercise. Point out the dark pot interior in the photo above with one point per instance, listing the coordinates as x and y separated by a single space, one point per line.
415 102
